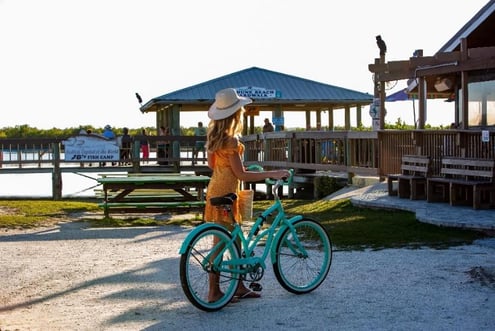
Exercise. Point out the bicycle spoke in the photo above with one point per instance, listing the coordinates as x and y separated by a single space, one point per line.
303 257
202 263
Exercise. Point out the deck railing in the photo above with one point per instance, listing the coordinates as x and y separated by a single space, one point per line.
352 152
339 151
436 144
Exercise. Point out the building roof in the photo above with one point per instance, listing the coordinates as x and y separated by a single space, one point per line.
265 87
448 62
478 31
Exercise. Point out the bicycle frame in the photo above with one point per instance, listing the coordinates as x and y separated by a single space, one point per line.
251 241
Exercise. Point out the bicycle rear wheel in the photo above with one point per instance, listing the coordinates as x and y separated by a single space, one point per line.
302 267
196 268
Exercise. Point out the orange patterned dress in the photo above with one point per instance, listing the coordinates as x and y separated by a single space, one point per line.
223 181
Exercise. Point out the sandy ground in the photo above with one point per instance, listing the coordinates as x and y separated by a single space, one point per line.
71 277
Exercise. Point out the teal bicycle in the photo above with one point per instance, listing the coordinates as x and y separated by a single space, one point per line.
300 250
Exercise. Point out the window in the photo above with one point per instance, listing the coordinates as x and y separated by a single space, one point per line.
482 103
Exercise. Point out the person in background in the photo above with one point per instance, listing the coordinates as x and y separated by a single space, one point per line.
200 144
224 153
125 147
268 127
109 134
144 145
163 146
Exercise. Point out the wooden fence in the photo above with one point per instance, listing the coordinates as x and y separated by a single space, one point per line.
365 153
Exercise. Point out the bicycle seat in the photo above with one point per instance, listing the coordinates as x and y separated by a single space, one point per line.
227 199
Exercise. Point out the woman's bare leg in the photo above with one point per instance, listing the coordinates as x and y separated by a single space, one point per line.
214 279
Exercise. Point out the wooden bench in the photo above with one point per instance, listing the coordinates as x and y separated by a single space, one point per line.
145 195
152 207
411 182
464 181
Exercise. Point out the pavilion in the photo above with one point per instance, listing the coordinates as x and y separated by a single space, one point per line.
270 91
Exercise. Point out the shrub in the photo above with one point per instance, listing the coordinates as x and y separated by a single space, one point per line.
325 185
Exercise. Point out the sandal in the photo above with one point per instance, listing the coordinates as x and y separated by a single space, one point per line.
233 300
249 295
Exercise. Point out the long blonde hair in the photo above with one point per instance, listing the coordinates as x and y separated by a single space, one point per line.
221 131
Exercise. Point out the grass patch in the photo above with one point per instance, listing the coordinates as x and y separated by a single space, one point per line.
349 227
357 228
33 213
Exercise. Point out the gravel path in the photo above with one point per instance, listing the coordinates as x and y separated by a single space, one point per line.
70 277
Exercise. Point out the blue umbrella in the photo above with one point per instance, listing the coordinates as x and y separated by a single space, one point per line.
402 96
399 96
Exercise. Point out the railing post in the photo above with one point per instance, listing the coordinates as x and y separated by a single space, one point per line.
176 154
56 173
135 156
290 148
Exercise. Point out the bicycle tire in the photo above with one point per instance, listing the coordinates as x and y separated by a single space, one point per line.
195 278
296 272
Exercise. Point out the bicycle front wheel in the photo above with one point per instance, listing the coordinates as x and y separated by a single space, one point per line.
303 256
198 270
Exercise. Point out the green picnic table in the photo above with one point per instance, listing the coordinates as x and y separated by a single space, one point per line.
121 193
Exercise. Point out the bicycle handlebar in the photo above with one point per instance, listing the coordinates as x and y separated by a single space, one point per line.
280 182
275 182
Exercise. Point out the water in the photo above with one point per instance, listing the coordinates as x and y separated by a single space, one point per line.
40 185
73 185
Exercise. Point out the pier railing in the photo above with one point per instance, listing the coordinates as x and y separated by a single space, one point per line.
339 151
365 153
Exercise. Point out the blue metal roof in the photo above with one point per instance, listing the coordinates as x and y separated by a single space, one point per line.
289 90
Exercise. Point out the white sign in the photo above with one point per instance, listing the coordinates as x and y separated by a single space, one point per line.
258 92
91 148
376 124
485 136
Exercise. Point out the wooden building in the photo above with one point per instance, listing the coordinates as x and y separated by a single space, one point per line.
463 70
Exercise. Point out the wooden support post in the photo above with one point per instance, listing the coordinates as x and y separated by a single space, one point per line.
422 102
382 97
464 86
318 119
347 118
330 119
56 173
359 121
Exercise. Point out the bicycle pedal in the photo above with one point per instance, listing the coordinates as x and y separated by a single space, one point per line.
255 287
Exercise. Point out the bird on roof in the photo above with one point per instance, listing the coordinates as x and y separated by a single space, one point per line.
381 45
140 100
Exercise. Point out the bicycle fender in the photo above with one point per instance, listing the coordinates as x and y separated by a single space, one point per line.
279 234
194 232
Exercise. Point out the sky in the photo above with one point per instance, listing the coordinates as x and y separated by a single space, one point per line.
72 63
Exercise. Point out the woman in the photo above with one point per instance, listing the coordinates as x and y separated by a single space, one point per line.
225 159
144 145
199 145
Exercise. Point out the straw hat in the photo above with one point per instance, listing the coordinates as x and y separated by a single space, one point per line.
227 102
